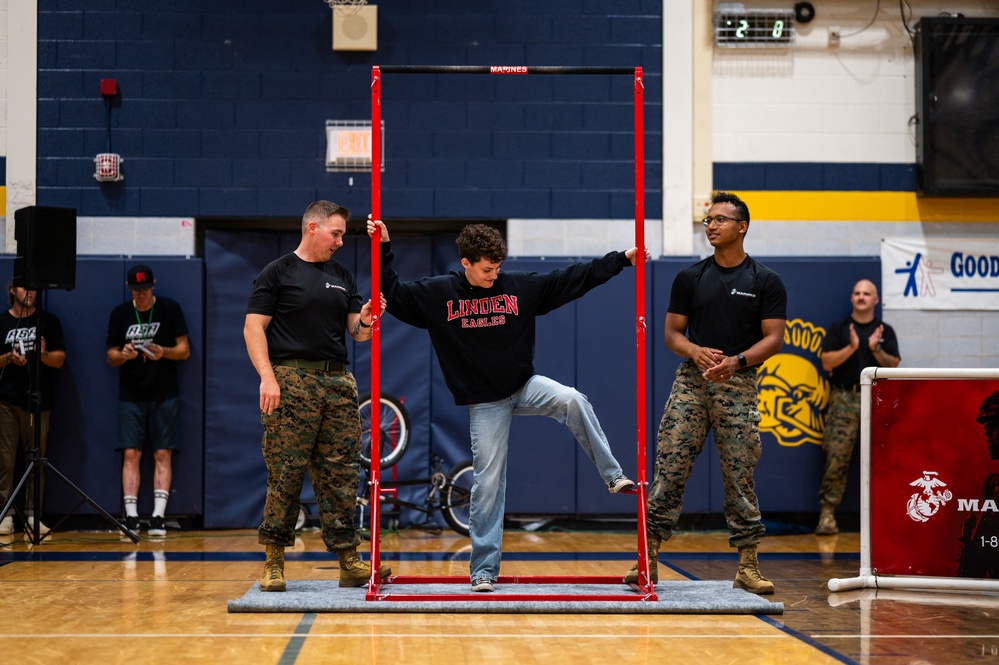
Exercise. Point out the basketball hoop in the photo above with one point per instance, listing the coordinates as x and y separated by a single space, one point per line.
346 7
108 167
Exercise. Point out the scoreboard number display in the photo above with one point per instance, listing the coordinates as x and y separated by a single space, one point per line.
754 28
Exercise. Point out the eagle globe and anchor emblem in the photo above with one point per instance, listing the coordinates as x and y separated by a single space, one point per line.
924 505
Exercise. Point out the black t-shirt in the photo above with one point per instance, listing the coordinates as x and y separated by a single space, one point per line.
725 306
143 379
838 336
308 304
15 380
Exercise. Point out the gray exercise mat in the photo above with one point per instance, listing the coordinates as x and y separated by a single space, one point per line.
675 597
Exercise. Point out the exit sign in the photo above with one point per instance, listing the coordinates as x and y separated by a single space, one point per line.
348 145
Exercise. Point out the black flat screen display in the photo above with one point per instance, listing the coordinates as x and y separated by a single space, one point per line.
957 94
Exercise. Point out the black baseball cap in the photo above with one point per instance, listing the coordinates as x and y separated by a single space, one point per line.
140 277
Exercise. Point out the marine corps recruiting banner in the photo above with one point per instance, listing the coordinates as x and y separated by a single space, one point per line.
934 469
940 273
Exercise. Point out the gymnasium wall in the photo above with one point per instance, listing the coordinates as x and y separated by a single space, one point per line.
219 118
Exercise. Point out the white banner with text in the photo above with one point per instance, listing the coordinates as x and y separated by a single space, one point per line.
940 273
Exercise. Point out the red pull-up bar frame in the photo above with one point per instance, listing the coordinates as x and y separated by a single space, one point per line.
645 588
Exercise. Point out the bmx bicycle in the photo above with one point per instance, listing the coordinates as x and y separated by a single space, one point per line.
449 492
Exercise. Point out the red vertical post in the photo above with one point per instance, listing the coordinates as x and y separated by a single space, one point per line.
640 351
374 474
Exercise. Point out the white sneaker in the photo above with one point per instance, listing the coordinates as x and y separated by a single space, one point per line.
7 526
42 529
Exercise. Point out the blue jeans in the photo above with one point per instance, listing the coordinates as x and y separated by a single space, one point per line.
489 425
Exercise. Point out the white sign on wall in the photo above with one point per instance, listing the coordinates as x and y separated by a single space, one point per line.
348 145
940 274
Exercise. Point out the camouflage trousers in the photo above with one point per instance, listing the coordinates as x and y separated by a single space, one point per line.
731 410
838 441
316 428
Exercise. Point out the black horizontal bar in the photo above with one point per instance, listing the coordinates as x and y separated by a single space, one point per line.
500 69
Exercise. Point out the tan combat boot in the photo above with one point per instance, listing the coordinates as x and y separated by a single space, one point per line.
354 572
632 576
273 577
749 576
827 522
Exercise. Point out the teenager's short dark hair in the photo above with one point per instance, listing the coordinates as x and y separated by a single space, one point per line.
480 241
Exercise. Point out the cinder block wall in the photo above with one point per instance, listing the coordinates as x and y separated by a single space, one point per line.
222 108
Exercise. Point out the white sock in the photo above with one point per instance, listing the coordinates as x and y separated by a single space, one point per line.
131 506
160 498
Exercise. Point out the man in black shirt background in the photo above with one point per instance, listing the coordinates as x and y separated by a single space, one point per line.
860 340
26 331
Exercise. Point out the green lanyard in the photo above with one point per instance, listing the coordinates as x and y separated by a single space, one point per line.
150 313
151 309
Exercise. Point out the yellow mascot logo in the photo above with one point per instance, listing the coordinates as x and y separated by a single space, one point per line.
793 394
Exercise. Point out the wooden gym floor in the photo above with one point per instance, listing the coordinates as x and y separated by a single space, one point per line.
92 597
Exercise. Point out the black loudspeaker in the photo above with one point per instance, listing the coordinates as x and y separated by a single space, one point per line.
46 248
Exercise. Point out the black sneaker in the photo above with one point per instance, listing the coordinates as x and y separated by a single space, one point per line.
156 526
132 524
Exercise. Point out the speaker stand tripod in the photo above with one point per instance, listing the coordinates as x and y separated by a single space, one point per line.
37 464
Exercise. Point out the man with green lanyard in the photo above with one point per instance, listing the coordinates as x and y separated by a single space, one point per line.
147 337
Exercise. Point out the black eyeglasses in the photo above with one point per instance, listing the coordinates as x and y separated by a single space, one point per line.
721 219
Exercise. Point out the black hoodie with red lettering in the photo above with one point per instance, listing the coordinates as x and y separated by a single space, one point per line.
484 338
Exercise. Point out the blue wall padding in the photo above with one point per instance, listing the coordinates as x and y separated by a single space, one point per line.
233 420
542 452
219 473
589 344
84 419
788 478
233 461
605 366
664 364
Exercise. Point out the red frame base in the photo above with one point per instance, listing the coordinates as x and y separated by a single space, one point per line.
378 591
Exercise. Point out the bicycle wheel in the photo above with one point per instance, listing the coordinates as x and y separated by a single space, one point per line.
458 497
393 431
